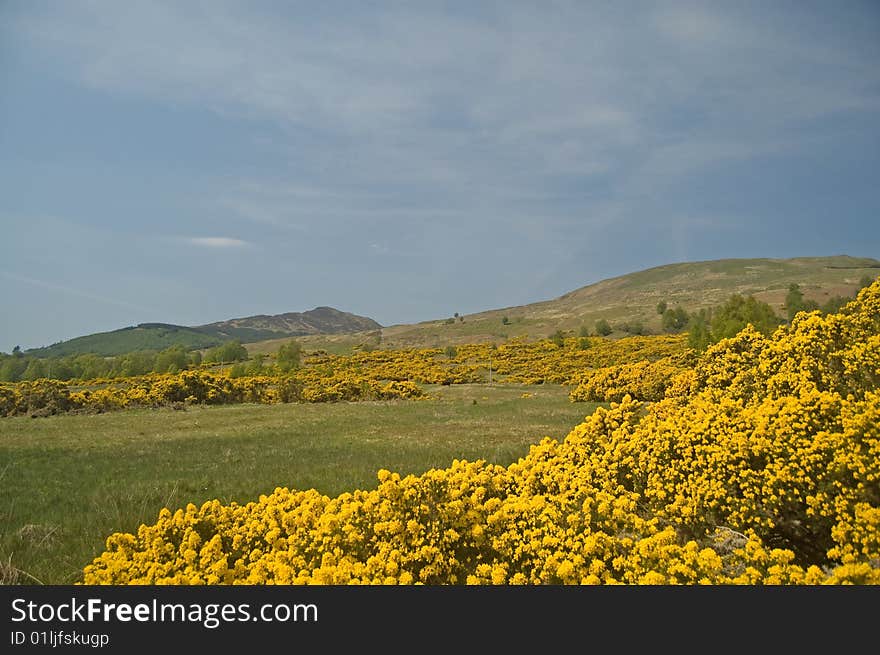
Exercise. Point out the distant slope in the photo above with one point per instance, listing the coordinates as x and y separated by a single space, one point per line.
626 298
321 320
634 297
157 336
147 336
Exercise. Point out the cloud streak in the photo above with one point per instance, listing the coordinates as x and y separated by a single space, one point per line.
217 242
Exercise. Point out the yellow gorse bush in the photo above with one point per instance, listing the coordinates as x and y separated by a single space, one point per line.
644 380
375 375
199 386
761 466
515 361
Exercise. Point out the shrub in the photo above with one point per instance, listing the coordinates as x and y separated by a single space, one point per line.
289 356
231 351
763 467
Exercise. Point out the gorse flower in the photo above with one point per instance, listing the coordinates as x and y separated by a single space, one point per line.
374 375
761 465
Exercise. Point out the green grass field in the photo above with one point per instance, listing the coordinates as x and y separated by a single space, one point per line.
66 482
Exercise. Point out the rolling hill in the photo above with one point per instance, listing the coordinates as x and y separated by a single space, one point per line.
157 336
634 297
619 300
321 320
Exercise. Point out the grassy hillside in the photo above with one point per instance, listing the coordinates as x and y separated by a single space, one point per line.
625 299
335 344
158 336
148 336
634 297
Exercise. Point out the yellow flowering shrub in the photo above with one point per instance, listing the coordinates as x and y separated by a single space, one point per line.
10 400
374 375
45 397
516 361
761 466
40 397
644 380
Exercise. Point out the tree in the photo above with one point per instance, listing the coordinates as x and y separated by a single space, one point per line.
634 327
136 363
257 363
706 328
558 338
62 368
740 311
584 331
794 302
505 321
603 328
699 335
675 319
794 299
661 307
171 360
34 371
230 351
451 352
12 369
86 367
288 356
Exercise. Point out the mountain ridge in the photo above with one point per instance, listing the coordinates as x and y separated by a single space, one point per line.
320 320
621 300
157 336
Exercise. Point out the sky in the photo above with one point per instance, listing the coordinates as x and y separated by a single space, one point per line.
189 162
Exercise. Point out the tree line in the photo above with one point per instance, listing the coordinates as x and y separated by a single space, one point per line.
19 366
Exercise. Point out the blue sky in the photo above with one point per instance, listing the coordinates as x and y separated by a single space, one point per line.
189 162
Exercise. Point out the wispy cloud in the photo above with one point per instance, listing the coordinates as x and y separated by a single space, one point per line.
217 242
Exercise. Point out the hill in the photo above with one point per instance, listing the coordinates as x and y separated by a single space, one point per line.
147 336
321 320
157 336
634 297
620 300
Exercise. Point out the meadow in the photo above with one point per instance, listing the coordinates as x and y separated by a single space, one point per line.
754 461
758 464
69 481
